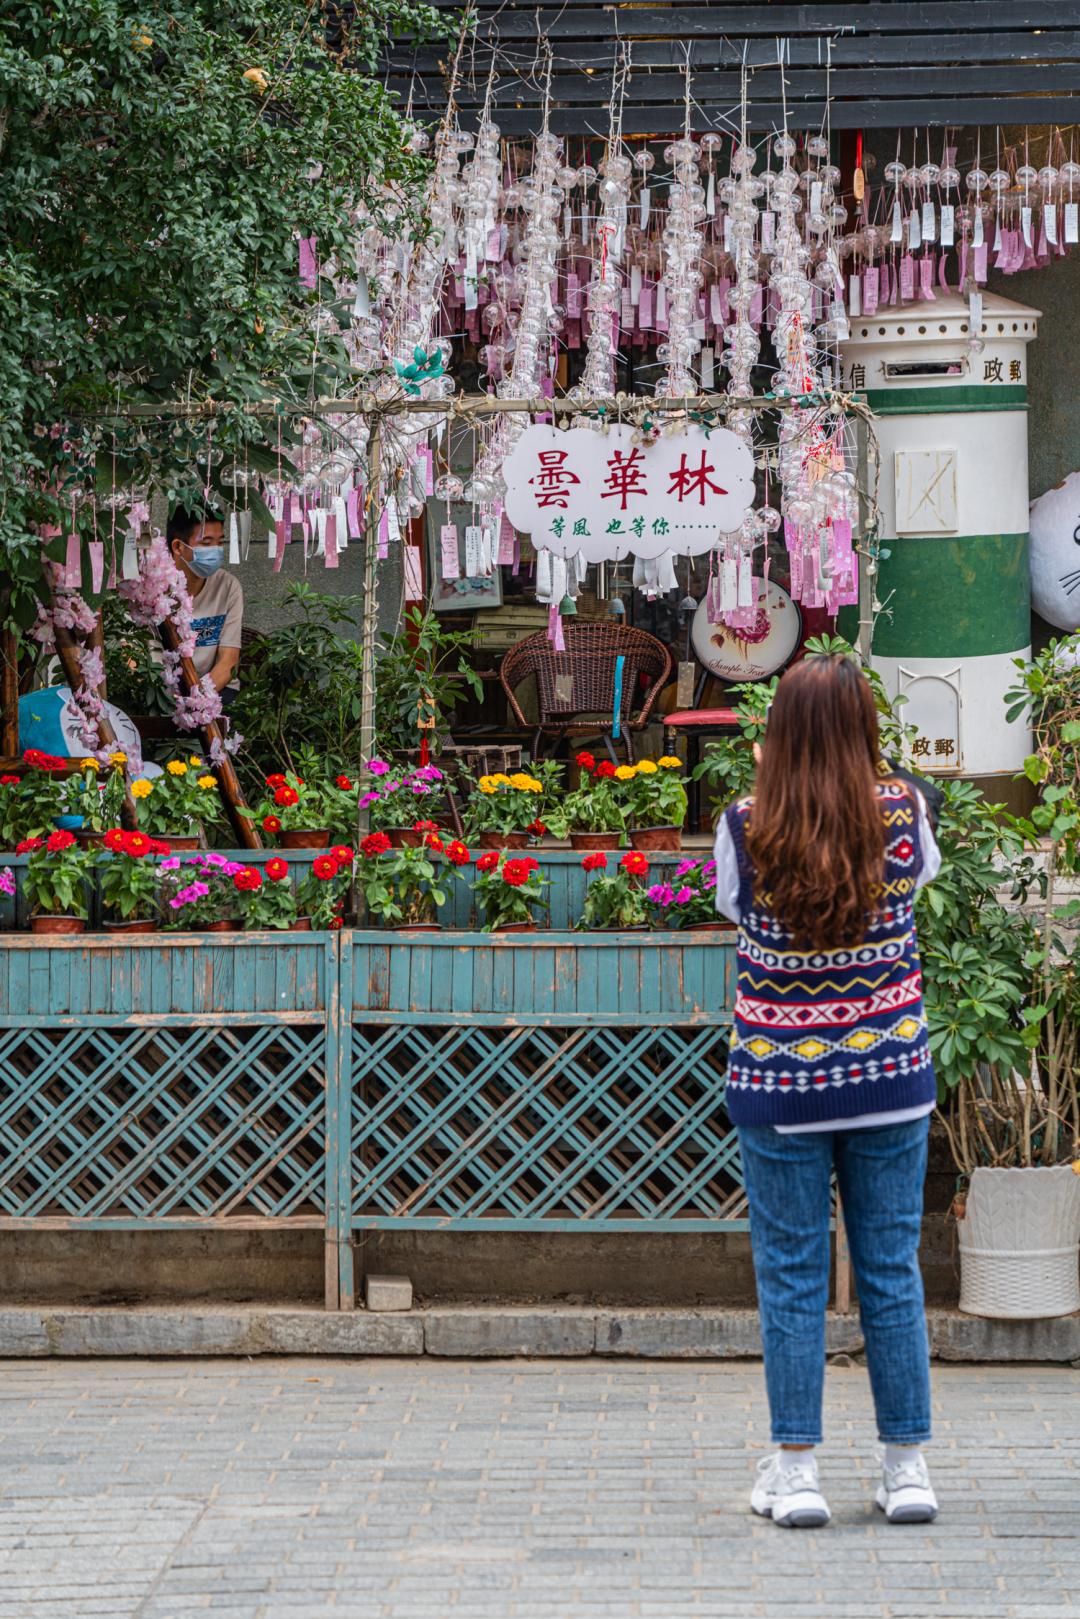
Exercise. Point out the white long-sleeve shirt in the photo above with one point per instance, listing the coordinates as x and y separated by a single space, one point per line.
727 903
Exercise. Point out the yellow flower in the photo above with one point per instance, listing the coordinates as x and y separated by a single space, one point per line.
90 764
499 779
118 758
525 783
669 762
176 767
626 772
141 788
195 762
486 785
647 768
206 782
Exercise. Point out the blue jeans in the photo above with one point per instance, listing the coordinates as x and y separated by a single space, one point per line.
880 1174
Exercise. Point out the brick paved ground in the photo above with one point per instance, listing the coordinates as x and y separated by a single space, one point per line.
288 1489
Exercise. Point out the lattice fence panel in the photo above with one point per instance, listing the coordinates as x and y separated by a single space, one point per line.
534 1124
148 1122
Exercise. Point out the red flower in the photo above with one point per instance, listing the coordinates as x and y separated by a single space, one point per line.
248 880
634 863
9 781
335 923
457 853
276 869
271 823
586 761
596 861
516 872
529 863
286 797
488 861
28 845
276 780
433 841
115 839
344 783
537 828
59 841
375 843
424 826
325 867
159 846
605 769
299 781
343 854
137 844
44 761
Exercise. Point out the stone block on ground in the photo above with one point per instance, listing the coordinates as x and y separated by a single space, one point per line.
387 1293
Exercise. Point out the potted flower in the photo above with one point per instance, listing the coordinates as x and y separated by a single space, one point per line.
656 796
404 888
130 881
504 810
179 804
266 898
7 885
593 815
92 800
200 893
321 895
616 902
400 803
506 890
296 812
31 801
55 887
688 901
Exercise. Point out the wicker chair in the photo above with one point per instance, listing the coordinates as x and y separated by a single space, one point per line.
592 651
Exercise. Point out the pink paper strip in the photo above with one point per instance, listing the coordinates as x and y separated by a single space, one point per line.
414 589
506 542
384 533
97 564
73 565
926 277
331 541
352 514
308 268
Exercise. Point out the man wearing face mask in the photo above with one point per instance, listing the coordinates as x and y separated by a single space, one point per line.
197 545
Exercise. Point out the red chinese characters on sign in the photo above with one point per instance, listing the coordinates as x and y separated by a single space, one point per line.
687 481
626 476
553 480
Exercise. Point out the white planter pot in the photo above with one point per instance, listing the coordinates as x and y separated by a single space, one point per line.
1019 1243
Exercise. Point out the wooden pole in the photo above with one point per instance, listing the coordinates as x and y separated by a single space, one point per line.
370 626
67 651
9 694
231 791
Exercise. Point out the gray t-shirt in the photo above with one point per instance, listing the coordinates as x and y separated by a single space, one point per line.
217 617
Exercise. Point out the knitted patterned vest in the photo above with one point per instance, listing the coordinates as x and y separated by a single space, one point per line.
829 1034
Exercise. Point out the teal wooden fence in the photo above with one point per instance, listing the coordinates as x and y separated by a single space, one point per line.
362 1079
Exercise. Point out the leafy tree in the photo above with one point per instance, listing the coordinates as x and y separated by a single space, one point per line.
157 163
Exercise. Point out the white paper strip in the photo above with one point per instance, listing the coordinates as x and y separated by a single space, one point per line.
472 551
644 207
1072 221
929 222
1025 225
948 226
1050 222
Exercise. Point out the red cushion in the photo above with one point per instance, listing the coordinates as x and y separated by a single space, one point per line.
702 716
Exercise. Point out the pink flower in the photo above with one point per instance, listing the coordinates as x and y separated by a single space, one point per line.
172 864
660 894
231 867
684 866
7 881
369 798
378 767
684 895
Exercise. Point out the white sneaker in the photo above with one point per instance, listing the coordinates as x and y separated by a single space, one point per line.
904 1494
790 1494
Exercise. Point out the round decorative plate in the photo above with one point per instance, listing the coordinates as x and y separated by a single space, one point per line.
755 654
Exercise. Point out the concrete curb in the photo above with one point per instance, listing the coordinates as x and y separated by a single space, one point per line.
473 1332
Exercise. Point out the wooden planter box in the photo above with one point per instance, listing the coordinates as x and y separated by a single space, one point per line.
361 1079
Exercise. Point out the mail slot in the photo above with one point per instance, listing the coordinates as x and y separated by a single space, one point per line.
907 370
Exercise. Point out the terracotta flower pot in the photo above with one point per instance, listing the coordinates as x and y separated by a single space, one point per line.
306 837
140 926
657 839
90 840
503 840
57 924
595 840
219 927
635 927
301 925
404 838
515 927
181 845
709 927
418 927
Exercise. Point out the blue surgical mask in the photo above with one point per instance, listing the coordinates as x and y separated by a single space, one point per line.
206 559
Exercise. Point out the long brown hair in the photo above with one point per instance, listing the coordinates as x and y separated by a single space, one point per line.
816 838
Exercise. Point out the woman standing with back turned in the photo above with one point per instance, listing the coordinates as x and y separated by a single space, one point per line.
830 1069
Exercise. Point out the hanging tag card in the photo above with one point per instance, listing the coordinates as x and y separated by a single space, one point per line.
727 233
871 284
855 295
1050 222
472 551
644 216
362 301
907 277
948 224
340 518
414 588
914 230
448 551
729 585
768 231
129 566
384 533
352 509
331 540
1072 221
707 370
710 196
97 564
897 232
746 580
979 263
815 196
234 540
929 221
1025 225
506 542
